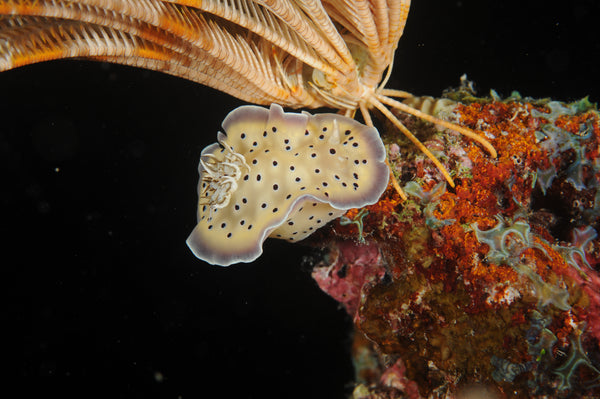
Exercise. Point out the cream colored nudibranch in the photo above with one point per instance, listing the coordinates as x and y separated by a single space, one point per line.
282 175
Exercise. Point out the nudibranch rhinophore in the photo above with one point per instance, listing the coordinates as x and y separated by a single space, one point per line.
282 175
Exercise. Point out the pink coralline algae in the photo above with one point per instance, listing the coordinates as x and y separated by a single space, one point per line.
349 268
490 286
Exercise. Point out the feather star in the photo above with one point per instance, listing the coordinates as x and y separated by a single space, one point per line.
296 53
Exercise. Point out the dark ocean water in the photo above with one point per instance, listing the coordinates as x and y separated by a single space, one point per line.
99 173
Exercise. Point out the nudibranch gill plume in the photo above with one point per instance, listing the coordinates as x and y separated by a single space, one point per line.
281 175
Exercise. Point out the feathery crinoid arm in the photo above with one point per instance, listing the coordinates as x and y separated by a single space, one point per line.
372 28
149 34
261 51
35 39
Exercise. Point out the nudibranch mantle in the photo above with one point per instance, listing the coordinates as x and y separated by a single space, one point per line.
282 175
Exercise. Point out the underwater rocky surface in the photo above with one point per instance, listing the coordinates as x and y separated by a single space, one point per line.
490 288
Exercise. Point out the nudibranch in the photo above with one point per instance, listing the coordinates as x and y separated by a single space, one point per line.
282 175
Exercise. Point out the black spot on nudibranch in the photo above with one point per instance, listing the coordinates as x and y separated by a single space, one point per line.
263 205
274 129
223 225
332 151
275 187
274 163
321 137
258 177
317 171
229 235
347 132
243 136
254 161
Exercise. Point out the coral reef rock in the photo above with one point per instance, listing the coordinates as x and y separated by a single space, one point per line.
489 289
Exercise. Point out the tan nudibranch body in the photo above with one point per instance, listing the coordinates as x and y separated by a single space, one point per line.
281 175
